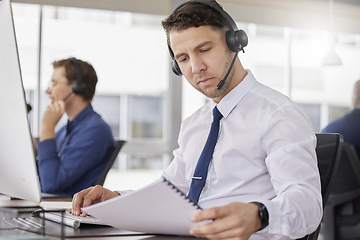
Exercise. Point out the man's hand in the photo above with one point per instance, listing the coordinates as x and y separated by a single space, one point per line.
51 117
90 196
232 221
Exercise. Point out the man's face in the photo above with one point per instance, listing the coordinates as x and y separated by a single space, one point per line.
203 57
59 87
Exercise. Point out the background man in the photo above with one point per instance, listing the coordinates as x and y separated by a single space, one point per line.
73 158
349 124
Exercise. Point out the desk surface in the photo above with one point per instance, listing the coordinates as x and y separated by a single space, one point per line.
8 227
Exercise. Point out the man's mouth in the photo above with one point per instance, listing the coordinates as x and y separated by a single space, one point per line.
204 81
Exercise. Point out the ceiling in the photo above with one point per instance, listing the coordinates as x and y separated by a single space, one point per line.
348 1
310 14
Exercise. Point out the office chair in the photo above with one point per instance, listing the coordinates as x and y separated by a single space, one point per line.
118 145
342 213
328 152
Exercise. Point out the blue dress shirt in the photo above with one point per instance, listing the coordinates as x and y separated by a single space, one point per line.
74 160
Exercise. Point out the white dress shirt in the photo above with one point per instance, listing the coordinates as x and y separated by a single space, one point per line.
265 152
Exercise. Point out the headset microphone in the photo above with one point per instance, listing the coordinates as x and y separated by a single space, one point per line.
222 82
67 96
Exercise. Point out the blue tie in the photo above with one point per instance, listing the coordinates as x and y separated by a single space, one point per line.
200 174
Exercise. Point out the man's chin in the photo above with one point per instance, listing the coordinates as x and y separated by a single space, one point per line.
212 94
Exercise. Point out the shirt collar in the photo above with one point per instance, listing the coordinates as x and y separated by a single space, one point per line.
79 118
230 100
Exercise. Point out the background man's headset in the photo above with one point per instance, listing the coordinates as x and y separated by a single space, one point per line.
235 39
79 86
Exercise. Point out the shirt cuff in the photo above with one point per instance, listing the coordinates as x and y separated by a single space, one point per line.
46 149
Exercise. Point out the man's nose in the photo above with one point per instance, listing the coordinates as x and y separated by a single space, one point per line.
197 65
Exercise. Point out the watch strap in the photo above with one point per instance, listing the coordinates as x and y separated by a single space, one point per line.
263 215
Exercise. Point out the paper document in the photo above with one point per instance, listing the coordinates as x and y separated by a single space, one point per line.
158 208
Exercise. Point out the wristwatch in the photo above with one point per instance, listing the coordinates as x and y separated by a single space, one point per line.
263 215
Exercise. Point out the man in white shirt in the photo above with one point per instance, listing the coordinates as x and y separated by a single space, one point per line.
262 181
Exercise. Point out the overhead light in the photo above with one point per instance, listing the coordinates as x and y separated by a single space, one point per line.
331 58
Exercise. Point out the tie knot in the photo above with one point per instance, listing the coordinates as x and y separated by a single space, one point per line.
216 114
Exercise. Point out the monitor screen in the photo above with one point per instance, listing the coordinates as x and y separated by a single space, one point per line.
18 174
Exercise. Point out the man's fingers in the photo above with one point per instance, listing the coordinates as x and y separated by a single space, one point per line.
221 224
95 195
90 196
208 214
230 221
78 199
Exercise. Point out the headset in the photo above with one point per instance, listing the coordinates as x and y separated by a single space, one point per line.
235 39
79 86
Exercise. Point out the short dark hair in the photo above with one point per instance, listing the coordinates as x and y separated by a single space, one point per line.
89 76
194 14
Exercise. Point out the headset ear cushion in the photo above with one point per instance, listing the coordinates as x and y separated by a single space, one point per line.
175 68
78 88
236 40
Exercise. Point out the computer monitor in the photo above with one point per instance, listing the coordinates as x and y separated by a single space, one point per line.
18 173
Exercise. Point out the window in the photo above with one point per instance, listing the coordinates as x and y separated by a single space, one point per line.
130 55
132 78
336 112
314 113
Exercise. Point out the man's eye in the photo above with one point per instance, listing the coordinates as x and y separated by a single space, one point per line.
205 50
183 59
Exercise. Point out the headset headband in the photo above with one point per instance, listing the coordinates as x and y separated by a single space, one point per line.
79 85
216 7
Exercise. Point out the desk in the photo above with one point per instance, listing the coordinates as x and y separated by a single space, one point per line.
8 228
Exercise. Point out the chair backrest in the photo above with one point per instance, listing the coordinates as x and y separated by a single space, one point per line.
347 177
352 156
341 215
118 145
328 152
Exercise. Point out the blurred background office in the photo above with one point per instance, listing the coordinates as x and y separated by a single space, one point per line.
308 50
